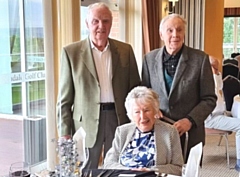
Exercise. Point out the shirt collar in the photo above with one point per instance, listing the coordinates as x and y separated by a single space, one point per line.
149 132
94 47
167 56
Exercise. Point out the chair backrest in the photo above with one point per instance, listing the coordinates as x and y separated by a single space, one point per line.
231 87
233 55
232 61
230 69
184 148
238 59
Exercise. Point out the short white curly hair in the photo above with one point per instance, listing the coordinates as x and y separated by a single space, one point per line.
143 95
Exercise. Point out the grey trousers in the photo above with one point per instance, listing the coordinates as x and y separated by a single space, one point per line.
106 131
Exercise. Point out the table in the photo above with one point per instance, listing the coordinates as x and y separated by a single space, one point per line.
236 106
108 173
124 173
115 173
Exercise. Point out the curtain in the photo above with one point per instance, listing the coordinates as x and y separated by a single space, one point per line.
150 22
232 12
193 11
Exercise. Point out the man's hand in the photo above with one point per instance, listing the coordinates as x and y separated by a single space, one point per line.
183 125
159 115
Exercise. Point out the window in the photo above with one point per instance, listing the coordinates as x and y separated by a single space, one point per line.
22 83
231 36
22 75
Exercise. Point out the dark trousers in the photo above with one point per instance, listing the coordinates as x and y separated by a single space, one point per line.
106 131
183 145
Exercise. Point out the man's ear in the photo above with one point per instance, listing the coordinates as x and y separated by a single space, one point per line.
161 36
86 23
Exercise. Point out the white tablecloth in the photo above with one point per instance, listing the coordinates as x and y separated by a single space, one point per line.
236 107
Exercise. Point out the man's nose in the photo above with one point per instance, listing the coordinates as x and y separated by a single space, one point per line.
100 24
174 33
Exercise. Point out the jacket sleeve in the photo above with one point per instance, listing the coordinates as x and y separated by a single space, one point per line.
65 96
145 74
111 160
175 166
207 94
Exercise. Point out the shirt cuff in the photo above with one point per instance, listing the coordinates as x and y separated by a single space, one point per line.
191 120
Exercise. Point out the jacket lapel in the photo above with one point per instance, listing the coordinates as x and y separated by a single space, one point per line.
180 69
86 54
115 56
128 133
158 68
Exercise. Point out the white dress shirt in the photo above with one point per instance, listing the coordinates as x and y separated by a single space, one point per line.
103 63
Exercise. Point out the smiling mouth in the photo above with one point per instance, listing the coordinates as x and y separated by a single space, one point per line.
145 122
101 32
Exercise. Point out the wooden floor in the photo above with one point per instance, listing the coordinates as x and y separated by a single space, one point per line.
11 143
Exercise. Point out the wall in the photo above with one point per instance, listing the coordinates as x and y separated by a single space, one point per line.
213 38
231 3
214 25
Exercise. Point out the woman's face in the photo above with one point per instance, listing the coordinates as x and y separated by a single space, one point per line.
143 115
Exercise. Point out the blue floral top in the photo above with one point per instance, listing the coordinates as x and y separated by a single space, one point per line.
140 151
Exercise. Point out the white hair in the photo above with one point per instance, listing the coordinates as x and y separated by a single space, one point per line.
170 17
144 95
97 5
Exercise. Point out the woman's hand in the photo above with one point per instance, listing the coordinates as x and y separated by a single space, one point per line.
141 169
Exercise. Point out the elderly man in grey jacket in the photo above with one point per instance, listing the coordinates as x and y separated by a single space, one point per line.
183 79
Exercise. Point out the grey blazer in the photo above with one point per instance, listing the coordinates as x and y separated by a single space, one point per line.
192 92
168 156
79 89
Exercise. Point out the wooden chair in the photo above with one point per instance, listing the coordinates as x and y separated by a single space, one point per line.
221 133
170 121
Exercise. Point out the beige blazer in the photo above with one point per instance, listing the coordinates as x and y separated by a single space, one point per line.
79 89
168 149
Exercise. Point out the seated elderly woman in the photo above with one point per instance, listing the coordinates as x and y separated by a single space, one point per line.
146 143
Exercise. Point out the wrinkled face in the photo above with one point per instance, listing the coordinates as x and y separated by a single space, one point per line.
99 24
173 32
143 115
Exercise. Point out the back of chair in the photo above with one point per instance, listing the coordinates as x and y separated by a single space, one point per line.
232 61
170 121
231 87
230 69
238 59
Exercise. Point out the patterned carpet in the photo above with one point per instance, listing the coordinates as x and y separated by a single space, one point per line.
214 158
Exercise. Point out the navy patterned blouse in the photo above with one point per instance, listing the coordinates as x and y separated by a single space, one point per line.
140 151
